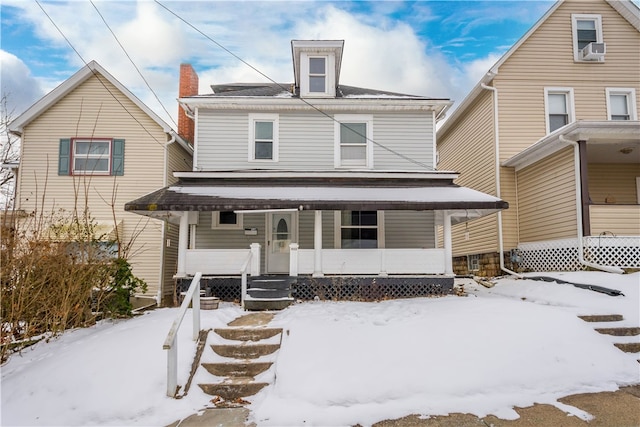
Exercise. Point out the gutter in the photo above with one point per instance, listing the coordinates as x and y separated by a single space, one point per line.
576 169
497 168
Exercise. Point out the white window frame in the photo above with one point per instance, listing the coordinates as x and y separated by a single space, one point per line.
337 232
74 156
571 112
215 222
367 119
630 93
577 53
473 262
275 119
330 78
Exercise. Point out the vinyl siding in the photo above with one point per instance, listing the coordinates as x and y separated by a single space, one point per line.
547 198
306 141
616 182
91 111
469 148
178 160
546 60
619 220
409 229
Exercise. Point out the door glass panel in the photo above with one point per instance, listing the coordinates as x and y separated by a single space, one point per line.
280 234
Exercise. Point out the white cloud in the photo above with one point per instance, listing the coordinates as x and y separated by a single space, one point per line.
18 85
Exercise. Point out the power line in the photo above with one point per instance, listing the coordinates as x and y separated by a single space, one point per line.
133 63
421 164
98 78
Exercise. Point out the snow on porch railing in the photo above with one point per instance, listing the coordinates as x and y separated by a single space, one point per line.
192 296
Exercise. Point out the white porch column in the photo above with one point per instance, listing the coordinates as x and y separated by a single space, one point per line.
183 240
448 250
317 245
293 259
255 259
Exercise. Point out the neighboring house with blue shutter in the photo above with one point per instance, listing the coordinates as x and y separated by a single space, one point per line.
91 141
332 184
553 129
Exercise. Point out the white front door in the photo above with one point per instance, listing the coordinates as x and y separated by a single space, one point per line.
282 231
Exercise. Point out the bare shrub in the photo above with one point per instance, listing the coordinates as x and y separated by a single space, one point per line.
58 272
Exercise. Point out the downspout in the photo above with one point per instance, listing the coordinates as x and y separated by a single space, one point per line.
163 229
497 168
576 169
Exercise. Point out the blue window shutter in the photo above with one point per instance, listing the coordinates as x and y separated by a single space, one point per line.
64 157
117 157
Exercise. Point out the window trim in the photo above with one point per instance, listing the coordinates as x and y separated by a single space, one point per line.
568 92
577 53
261 117
631 100
215 222
473 262
74 156
337 231
367 119
330 77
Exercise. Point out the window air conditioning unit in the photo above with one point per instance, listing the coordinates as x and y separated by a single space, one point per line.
594 51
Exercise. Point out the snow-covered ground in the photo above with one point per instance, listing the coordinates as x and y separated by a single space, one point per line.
343 363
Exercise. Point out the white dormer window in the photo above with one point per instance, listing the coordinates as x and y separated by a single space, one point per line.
588 44
317 75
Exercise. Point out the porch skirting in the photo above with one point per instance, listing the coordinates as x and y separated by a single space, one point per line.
336 288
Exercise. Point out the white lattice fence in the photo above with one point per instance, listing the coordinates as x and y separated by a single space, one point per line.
618 251
562 255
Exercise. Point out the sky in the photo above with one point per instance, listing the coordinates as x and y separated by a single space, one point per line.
430 48
343 363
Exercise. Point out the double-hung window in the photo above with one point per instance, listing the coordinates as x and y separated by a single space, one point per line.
359 229
586 29
91 156
621 104
353 141
559 107
263 137
318 74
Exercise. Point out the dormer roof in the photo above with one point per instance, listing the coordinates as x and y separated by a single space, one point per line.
316 47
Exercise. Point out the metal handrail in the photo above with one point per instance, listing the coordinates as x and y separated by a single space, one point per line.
170 343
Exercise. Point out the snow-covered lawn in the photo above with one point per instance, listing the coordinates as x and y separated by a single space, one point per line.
343 363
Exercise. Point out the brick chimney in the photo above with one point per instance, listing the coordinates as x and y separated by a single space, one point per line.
188 87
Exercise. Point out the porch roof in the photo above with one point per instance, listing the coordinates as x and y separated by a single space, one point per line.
313 193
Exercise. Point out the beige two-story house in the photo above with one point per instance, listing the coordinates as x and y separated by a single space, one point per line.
91 143
553 129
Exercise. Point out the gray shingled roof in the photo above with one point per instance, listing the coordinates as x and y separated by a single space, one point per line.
277 89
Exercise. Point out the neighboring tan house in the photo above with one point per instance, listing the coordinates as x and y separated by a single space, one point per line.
553 129
90 140
325 182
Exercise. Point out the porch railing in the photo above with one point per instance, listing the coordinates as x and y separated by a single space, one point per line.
192 297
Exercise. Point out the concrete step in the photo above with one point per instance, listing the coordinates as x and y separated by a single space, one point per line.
246 334
268 293
244 351
267 304
237 369
272 282
234 388
602 318
631 347
619 332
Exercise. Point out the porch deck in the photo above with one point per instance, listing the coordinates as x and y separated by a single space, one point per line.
336 288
